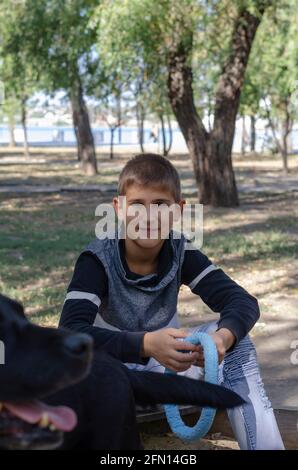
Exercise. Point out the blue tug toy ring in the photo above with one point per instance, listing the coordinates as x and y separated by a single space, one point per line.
205 421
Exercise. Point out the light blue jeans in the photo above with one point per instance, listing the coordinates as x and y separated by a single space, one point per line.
253 423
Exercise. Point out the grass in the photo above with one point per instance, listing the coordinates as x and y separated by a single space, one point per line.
38 250
259 245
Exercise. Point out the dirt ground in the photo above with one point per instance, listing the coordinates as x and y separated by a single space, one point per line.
167 441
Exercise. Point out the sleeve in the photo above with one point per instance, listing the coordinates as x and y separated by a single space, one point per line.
85 292
238 310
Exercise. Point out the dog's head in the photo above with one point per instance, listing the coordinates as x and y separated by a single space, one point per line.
36 362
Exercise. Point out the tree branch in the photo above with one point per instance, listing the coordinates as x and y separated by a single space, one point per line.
230 83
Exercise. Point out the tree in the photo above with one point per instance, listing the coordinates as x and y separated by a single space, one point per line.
10 108
18 86
250 102
56 39
275 54
271 81
17 74
151 101
111 99
251 96
157 103
167 36
139 91
112 113
211 151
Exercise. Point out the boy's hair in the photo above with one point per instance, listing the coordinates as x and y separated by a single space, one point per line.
150 169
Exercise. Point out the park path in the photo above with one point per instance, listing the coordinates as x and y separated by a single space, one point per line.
261 185
253 176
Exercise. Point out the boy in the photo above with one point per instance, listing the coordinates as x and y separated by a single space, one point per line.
124 293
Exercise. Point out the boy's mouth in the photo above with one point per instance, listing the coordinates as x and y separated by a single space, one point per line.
148 231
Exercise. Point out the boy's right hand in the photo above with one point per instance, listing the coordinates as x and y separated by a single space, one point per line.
164 347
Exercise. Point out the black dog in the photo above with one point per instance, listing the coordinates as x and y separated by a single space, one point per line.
56 365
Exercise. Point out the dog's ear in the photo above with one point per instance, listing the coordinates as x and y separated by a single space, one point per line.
7 304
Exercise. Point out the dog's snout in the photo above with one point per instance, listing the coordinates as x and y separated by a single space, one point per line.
78 345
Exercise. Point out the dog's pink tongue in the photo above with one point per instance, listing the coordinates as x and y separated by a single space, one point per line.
62 417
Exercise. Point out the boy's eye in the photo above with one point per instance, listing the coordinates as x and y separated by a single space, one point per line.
160 203
136 205
135 208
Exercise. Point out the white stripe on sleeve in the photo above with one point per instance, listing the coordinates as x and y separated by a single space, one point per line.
79 295
200 276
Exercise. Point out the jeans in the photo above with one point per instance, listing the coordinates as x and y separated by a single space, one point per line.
253 423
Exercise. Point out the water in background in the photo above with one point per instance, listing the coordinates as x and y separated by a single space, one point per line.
65 136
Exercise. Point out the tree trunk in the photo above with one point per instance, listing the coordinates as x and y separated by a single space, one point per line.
170 135
227 99
24 126
11 123
284 156
211 153
112 131
290 143
282 144
252 133
82 128
211 158
163 134
140 114
209 113
286 130
166 147
243 137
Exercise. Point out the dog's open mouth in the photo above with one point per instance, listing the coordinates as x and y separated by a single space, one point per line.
34 425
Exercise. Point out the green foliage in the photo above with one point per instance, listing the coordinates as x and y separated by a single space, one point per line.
53 36
16 72
136 38
124 45
273 66
134 41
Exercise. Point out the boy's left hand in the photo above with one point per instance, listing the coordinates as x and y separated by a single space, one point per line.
223 339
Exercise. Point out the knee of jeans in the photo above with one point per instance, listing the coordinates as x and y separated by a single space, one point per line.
262 393
208 327
242 360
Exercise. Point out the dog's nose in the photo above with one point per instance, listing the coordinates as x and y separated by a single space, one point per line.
78 345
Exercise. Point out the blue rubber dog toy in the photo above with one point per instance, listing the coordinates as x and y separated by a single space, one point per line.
205 421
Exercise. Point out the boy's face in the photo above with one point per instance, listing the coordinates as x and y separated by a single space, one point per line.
147 213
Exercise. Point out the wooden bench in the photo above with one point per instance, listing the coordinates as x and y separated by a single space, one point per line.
287 419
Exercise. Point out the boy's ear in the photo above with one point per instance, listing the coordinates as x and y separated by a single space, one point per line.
181 204
116 204
119 204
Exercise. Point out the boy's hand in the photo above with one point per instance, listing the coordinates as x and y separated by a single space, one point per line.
223 339
164 347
